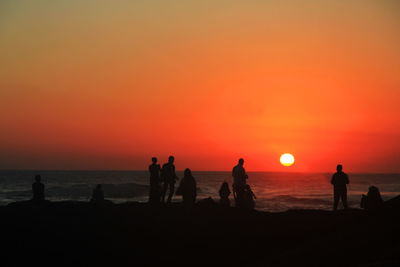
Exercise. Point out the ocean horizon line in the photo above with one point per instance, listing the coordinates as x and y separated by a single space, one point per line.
205 171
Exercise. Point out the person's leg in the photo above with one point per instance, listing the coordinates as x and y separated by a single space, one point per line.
240 197
171 192
158 194
335 199
151 193
344 198
164 191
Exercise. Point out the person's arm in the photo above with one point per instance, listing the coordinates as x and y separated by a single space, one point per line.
253 194
159 172
347 179
162 172
176 176
333 179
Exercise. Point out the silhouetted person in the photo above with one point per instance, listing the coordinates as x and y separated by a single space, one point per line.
169 177
224 193
187 188
98 195
339 181
373 199
38 190
249 198
239 182
155 187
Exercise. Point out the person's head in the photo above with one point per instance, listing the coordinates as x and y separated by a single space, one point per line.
154 160
247 187
339 168
373 191
171 159
187 172
241 161
38 178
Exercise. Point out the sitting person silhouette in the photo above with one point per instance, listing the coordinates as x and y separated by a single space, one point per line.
38 190
224 193
249 198
98 195
373 199
187 188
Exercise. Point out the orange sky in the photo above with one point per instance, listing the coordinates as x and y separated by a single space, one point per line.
107 85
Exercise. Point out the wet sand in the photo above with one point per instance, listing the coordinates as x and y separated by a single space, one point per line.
135 234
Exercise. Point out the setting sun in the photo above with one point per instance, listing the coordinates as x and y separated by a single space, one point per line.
287 159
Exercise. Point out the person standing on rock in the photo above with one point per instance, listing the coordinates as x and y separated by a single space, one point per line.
38 190
155 187
339 182
169 177
239 182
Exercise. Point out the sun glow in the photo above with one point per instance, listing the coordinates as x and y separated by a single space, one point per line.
287 159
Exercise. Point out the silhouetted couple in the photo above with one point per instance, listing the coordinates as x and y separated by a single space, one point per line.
167 175
244 196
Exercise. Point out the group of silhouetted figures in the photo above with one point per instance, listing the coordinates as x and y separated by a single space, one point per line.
163 180
340 180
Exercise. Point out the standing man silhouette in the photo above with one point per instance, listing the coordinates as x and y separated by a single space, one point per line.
155 188
38 190
239 182
169 177
339 182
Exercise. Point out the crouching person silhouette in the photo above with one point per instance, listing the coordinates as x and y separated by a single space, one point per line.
224 193
373 200
249 198
187 188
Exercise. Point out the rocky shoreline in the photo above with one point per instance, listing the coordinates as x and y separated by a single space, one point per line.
136 234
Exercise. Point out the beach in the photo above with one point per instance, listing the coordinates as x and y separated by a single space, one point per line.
135 234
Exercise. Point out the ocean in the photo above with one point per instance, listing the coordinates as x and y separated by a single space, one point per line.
274 191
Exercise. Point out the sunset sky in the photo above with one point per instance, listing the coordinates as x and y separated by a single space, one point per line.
109 84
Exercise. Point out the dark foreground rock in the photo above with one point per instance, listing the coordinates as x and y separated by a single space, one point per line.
134 234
